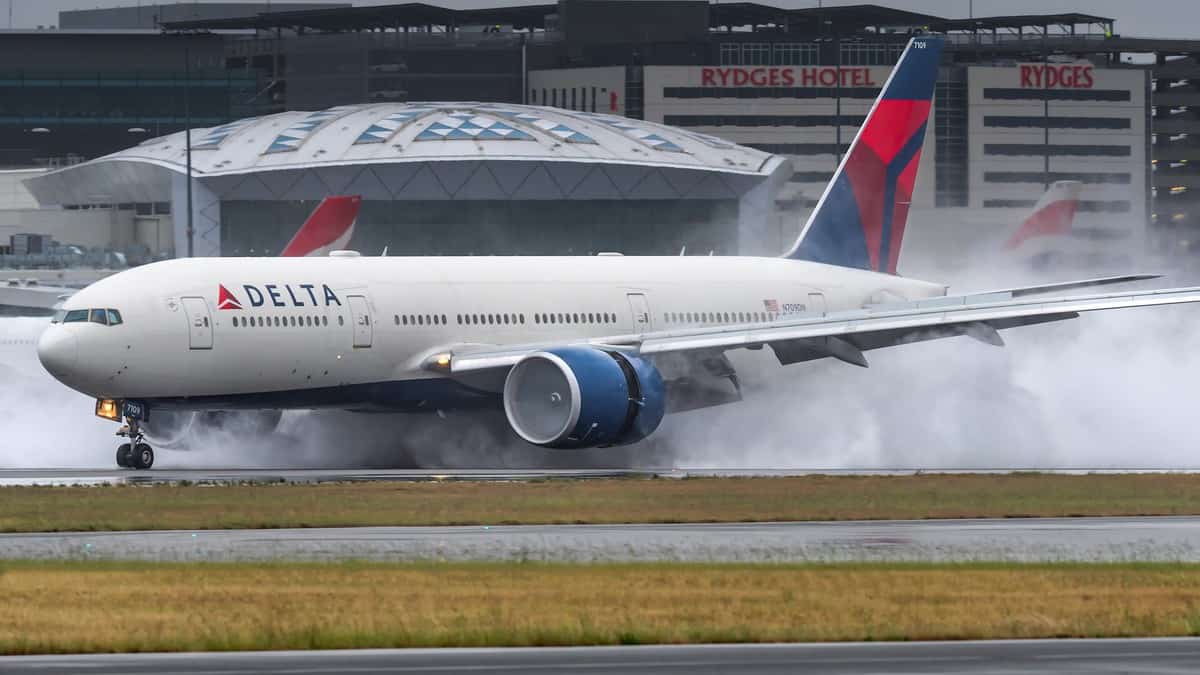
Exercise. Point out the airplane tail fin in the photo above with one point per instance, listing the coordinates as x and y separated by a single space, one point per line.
1053 214
860 218
328 228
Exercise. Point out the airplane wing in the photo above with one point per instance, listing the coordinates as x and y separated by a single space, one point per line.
34 296
1064 286
842 335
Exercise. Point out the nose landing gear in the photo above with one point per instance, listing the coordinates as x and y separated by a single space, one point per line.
135 454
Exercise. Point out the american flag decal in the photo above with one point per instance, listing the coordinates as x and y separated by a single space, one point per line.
771 305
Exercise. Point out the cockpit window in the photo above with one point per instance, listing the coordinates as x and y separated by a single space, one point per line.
104 317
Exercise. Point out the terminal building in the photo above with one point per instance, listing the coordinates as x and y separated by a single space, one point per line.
754 105
449 179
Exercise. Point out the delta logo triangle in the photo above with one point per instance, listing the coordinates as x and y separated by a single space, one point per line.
225 299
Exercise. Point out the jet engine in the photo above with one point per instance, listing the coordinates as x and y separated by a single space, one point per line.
583 397
182 428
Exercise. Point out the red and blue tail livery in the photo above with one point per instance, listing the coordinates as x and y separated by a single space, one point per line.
859 220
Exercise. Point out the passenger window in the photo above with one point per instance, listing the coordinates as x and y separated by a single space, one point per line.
114 317
341 320
205 322
396 318
506 316
98 316
444 322
522 318
235 322
324 321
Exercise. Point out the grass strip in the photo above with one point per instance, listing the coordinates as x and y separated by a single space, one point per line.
72 607
634 500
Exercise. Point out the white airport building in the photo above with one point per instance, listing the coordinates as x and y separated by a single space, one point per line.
447 179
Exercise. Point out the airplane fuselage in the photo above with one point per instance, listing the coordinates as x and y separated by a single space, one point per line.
356 332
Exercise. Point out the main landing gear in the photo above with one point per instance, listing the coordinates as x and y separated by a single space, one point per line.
136 454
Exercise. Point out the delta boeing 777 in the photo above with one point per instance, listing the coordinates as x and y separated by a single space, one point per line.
578 351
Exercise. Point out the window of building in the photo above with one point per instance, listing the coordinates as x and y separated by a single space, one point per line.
871 53
731 54
794 54
756 54
951 188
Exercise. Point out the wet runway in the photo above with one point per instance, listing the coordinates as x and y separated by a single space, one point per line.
1026 540
125 476
103 476
1165 657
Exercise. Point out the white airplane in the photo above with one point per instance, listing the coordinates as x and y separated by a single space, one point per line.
330 226
578 351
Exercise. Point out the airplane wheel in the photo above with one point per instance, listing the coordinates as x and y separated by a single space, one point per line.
123 455
143 456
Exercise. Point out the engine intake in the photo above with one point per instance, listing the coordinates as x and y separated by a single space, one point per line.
582 397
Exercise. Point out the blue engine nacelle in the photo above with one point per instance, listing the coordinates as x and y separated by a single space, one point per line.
583 397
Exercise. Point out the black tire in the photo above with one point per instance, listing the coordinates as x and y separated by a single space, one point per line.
124 452
143 457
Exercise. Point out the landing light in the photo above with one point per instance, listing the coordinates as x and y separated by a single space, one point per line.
439 362
108 409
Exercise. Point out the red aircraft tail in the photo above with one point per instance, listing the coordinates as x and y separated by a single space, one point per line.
1052 216
329 228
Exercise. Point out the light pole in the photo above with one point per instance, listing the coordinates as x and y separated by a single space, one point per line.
187 140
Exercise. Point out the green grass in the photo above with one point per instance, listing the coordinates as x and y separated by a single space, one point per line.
632 500
66 607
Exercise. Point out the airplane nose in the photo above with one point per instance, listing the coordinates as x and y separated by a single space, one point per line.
57 350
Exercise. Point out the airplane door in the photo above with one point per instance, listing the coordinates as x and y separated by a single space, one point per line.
816 302
200 333
360 316
641 312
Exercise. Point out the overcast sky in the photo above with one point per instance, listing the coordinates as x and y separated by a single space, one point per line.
1156 18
